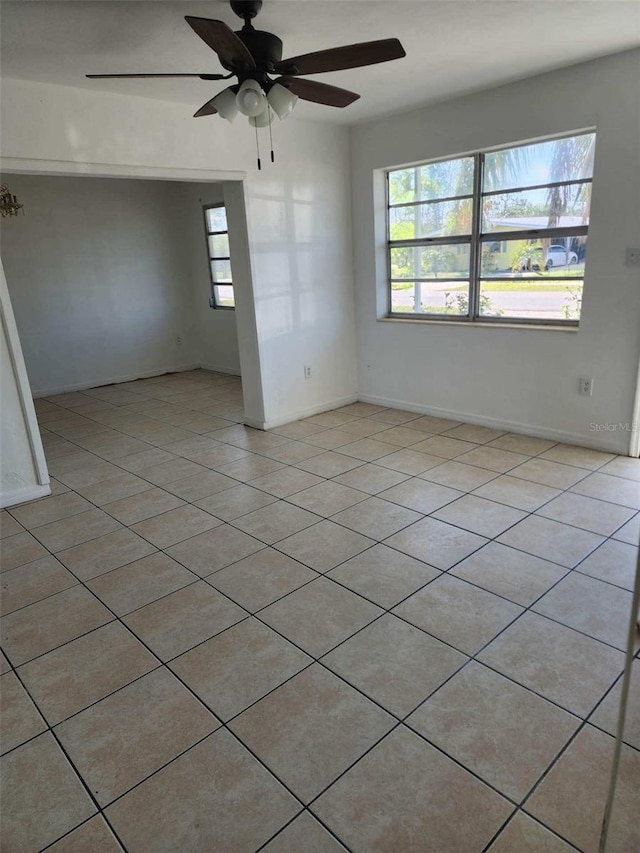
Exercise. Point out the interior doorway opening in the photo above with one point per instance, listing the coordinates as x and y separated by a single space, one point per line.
111 280
108 289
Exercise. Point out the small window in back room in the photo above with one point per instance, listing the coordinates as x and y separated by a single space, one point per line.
222 295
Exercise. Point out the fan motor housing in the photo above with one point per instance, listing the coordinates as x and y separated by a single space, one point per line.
266 48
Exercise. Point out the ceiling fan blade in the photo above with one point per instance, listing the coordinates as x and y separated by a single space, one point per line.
339 58
319 93
206 109
221 38
114 76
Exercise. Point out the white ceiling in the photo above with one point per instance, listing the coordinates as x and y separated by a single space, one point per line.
453 46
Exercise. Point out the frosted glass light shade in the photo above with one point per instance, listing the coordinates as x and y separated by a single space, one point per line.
250 99
282 100
225 104
263 119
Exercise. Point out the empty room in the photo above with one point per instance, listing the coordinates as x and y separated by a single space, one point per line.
320 398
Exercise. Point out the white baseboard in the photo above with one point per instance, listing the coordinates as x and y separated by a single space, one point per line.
302 413
604 441
99 383
216 368
535 430
27 493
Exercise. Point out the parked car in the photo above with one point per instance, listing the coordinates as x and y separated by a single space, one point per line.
557 256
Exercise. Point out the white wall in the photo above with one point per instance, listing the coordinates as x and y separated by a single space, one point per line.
98 271
23 470
518 378
120 273
299 299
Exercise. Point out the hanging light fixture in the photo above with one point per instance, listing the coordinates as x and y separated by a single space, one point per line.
250 99
261 100
9 205
282 100
252 102
225 103
265 118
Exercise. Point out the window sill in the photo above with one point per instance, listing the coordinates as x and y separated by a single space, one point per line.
472 324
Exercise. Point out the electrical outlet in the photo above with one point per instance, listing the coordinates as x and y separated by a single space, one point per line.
178 341
586 386
307 371
632 257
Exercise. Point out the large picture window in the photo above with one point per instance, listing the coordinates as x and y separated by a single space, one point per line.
215 219
495 236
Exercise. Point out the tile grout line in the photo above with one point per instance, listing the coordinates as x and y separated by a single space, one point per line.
384 611
225 724
160 665
445 571
532 512
326 479
191 691
520 810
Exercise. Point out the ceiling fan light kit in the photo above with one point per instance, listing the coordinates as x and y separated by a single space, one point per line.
264 119
225 104
281 100
253 55
250 99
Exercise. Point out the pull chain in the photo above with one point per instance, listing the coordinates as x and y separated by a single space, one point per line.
273 159
257 148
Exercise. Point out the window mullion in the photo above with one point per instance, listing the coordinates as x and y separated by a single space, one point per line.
387 236
456 239
424 201
516 190
417 255
476 245
536 233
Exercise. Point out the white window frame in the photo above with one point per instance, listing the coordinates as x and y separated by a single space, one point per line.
213 301
478 239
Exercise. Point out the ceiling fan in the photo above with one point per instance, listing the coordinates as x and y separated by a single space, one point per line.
253 55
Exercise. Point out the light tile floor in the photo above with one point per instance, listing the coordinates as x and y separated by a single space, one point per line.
369 630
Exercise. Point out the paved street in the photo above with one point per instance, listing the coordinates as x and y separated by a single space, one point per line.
549 304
